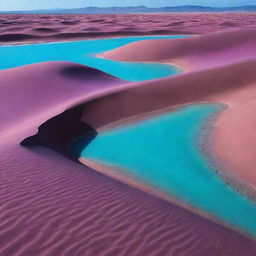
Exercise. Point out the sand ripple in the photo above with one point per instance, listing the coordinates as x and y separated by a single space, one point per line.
52 206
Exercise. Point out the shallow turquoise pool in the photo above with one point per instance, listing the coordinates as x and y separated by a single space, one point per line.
163 153
84 52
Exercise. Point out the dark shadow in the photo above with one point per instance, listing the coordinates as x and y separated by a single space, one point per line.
64 133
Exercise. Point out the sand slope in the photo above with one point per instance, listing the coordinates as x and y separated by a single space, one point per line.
219 84
194 52
44 84
53 206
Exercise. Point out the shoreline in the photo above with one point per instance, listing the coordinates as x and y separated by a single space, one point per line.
74 40
122 175
221 166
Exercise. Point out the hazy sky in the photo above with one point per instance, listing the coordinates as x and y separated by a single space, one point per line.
45 4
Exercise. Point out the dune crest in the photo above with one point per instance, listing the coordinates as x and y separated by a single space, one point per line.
219 84
49 84
192 53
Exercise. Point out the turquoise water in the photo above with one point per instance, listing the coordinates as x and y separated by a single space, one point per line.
162 152
83 52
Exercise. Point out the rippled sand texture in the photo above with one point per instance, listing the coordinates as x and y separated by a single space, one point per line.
52 206
38 28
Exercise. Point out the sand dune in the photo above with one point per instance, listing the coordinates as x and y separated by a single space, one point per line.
219 84
48 28
41 85
194 52
54 206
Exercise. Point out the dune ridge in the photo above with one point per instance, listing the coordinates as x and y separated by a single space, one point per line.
59 78
197 52
54 206
212 85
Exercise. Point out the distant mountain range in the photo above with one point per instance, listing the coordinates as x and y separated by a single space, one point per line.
139 9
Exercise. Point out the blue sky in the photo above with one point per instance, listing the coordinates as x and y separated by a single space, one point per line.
44 4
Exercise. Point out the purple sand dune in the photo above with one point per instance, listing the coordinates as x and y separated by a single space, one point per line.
16 28
45 83
194 52
53 206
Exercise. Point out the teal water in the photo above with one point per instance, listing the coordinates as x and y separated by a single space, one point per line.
163 153
84 52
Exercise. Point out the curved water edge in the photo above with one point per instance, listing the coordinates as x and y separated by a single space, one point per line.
84 52
167 158
206 146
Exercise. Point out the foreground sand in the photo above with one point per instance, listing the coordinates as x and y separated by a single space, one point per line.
51 205
50 28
